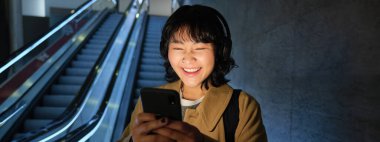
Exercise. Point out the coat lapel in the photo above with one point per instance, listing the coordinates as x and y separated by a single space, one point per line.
214 104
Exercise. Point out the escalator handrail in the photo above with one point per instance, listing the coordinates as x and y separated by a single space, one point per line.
126 81
85 131
27 48
17 110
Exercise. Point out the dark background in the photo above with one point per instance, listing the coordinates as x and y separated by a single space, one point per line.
313 65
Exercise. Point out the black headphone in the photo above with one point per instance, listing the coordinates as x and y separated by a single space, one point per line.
227 35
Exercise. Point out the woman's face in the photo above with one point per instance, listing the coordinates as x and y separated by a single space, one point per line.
193 62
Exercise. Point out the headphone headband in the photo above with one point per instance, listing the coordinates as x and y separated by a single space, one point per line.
224 27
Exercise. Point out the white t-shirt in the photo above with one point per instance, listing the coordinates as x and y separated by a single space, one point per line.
185 104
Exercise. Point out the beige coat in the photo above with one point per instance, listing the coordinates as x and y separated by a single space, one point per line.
207 117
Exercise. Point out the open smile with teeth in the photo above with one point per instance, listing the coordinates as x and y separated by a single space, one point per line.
190 70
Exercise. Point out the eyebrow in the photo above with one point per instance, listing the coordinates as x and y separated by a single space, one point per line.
181 42
176 41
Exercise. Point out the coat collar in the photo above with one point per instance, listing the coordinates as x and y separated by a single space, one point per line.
213 105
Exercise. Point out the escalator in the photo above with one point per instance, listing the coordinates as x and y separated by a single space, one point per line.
151 72
146 70
67 85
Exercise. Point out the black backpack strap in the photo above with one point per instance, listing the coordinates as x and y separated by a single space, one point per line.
231 117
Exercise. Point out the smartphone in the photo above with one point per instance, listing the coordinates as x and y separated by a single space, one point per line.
162 102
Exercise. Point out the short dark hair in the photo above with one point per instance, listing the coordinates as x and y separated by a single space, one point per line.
202 24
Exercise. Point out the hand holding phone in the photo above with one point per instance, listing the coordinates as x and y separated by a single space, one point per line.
162 102
166 103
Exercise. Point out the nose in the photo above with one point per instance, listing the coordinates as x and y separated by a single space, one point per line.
188 58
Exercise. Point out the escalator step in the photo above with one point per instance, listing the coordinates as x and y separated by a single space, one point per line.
91 51
93 48
152 75
86 57
110 23
96 46
154 58
47 112
82 64
97 50
152 45
153 33
103 33
73 80
64 89
153 68
152 40
97 37
152 50
33 124
156 25
98 41
152 61
153 37
151 55
107 28
155 28
77 71
100 36
150 83
57 100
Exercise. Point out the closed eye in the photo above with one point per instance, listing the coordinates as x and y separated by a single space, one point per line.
176 48
200 48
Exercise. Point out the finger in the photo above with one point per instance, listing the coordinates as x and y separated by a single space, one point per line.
156 138
144 117
181 126
171 133
147 127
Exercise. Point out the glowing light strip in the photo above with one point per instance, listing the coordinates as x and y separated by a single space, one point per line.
37 43
10 116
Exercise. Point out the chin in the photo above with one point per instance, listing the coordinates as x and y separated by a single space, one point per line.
192 84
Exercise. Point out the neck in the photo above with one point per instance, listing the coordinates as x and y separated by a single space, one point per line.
192 93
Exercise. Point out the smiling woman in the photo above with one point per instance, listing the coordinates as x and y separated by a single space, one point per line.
196 46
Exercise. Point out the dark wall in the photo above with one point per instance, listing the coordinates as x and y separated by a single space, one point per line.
34 28
4 31
314 66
